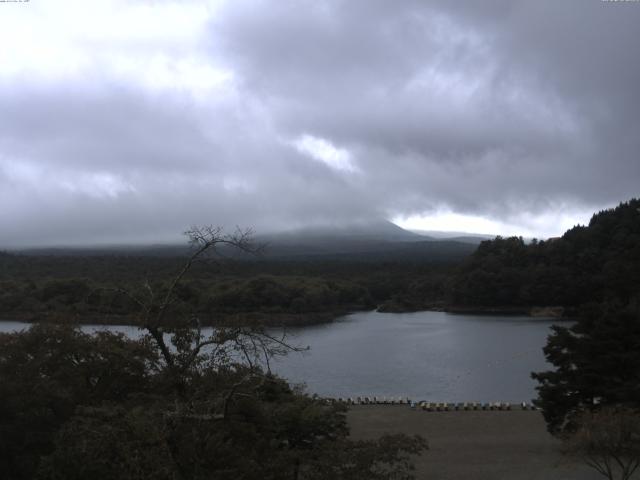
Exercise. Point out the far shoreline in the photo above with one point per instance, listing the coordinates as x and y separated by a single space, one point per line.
549 311
212 320
283 320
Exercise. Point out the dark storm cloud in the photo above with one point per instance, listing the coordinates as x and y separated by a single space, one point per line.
82 128
326 111
109 167
497 100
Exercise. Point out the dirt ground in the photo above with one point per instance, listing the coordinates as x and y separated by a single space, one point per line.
475 445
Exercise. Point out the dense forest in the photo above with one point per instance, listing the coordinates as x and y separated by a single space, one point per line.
594 263
44 287
595 381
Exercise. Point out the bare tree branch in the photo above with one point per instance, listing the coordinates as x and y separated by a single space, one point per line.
190 348
608 440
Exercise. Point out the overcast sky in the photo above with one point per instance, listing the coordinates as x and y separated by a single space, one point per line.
129 121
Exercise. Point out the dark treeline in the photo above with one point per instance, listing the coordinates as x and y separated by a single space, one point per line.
55 287
594 270
595 263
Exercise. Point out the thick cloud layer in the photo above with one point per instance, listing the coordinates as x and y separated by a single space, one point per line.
124 122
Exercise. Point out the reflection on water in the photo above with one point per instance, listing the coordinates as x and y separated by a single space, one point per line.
424 355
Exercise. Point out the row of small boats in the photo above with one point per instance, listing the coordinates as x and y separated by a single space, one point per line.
444 406
434 406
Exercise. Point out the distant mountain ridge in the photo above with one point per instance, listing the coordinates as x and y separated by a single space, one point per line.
362 241
374 230
466 237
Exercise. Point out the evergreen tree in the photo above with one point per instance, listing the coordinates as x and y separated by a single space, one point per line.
597 363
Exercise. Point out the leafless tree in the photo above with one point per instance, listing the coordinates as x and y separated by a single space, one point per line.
251 345
608 440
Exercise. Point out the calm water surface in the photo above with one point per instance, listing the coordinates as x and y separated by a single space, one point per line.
425 355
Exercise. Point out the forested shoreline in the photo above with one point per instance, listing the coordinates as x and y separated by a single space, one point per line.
594 263
54 288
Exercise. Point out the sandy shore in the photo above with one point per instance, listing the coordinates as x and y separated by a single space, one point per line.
476 445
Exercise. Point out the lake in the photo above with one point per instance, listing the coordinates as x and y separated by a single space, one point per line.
431 356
